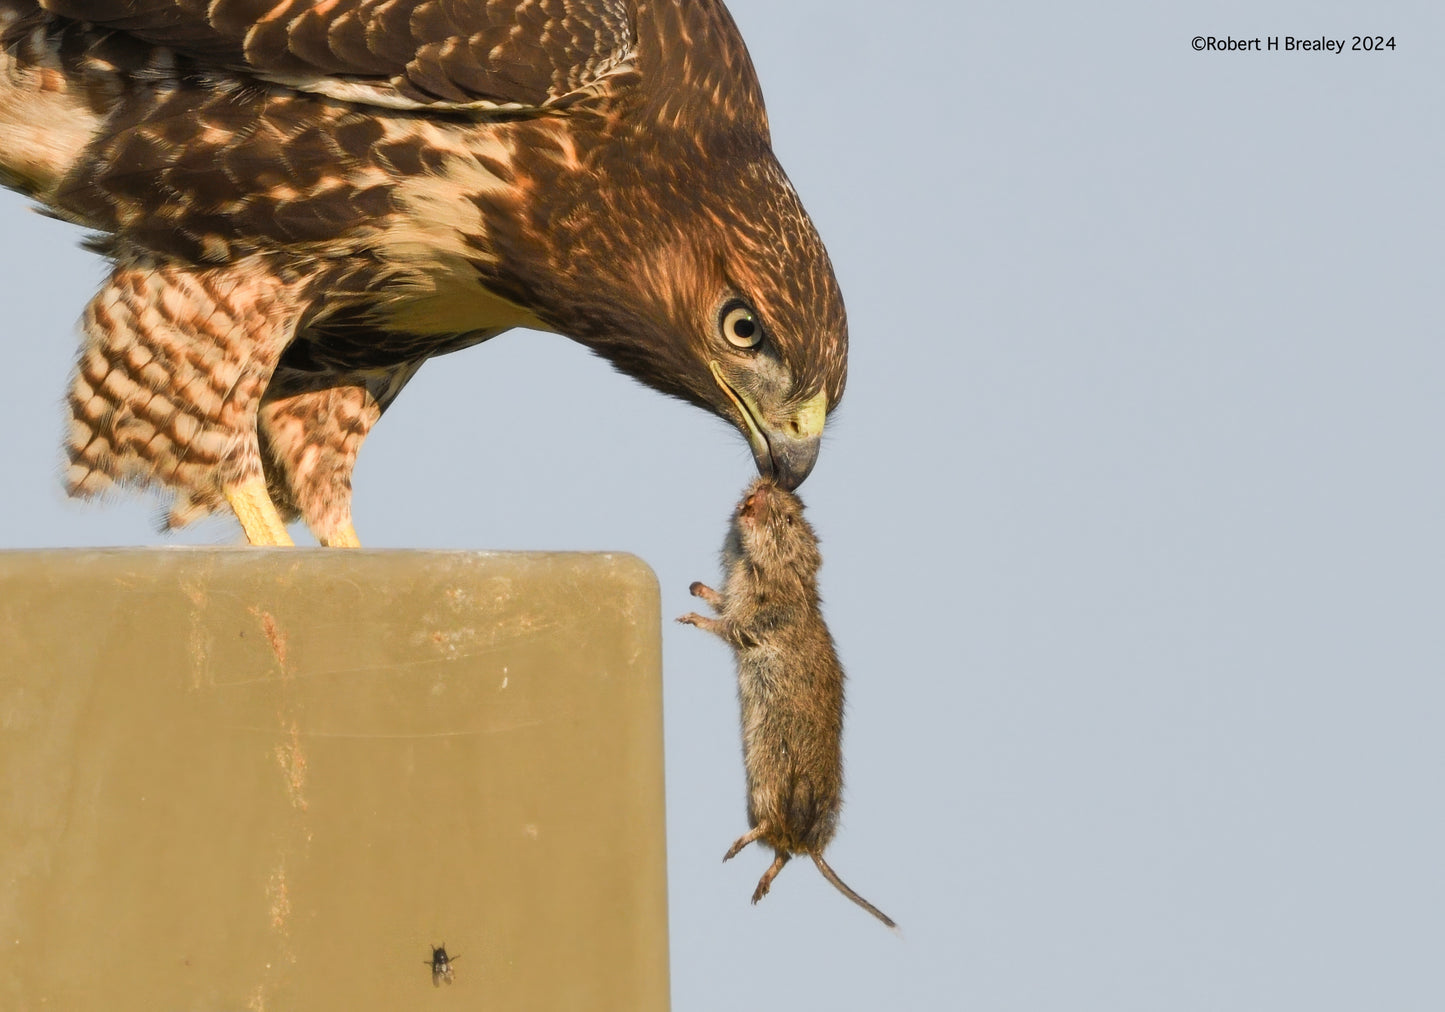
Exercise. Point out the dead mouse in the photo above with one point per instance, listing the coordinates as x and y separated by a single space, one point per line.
790 683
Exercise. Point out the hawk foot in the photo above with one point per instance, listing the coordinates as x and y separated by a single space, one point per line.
343 537
258 514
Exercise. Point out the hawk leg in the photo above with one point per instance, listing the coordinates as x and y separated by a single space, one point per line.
171 374
309 443
258 514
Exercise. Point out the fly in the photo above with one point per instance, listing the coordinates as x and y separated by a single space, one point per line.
441 965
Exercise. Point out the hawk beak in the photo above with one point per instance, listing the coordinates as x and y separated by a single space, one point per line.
785 452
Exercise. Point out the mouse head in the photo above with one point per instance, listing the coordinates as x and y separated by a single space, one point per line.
772 532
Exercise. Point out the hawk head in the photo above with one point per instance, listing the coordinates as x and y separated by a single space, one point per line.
675 246
697 271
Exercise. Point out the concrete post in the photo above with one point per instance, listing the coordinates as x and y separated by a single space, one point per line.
273 779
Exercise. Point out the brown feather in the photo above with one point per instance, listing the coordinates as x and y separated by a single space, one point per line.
400 180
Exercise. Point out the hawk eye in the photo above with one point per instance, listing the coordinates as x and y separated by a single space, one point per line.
740 325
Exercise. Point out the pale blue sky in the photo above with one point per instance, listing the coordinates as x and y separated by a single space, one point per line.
1134 514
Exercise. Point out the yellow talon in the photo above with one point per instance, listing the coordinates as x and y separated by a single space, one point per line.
259 519
345 537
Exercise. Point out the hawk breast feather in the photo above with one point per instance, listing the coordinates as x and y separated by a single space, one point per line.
401 54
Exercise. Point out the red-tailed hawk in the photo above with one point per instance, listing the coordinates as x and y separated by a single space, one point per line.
304 201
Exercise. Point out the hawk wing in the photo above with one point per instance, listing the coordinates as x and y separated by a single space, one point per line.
404 54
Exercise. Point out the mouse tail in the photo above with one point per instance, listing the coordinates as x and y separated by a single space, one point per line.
842 887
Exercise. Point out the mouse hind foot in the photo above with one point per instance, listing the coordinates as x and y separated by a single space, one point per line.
766 882
752 835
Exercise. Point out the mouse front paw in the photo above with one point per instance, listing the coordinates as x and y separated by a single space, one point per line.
702 590
712 625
